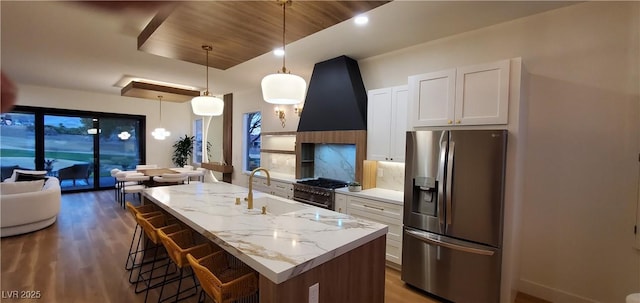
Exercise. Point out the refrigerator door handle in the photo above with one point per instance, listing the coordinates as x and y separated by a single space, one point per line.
450 163
441 241
441 189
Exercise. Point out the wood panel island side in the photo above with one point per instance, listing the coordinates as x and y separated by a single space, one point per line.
293 246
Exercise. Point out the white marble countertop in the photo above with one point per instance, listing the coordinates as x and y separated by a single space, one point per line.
380 194
279 247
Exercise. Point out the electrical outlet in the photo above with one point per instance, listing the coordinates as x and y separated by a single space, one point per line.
314 293
380 172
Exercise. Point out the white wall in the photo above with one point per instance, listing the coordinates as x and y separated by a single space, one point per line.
581 107
176 117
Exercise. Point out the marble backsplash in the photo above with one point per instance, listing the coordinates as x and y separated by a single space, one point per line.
390 175
335 161
279 163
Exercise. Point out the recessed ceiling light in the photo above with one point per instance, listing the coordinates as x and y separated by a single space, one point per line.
278 52
361 20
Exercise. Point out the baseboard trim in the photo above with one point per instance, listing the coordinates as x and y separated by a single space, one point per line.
551 294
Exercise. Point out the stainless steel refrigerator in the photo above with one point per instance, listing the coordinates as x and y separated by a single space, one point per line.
453 209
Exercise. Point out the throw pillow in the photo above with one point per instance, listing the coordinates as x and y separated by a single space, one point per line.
10 188
24 171
30 177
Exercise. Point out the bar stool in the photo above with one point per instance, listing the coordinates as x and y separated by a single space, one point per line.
150 226
147 211
178 245
222 282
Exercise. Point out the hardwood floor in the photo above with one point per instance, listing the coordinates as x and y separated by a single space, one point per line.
81 258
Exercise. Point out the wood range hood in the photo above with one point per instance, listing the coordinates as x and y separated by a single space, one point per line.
335 112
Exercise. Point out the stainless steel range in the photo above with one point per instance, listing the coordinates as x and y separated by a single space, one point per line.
317 192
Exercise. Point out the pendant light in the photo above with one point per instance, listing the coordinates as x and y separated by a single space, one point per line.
207 105
160 133
283 87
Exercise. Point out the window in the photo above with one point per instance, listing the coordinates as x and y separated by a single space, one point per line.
197 146
251 151
79 147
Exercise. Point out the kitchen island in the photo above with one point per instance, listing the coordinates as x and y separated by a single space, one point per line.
293 246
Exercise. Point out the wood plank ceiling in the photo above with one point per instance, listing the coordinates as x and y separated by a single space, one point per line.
238 30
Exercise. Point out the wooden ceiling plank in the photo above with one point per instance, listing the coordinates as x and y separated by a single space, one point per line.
152 91
240 30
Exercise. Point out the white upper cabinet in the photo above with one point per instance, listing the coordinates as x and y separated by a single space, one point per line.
470 95
482 94
387 123
433 97
399 117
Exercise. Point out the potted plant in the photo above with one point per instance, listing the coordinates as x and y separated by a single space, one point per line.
48 164
355 186
183 149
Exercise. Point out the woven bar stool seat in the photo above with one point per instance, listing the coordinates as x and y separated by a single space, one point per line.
221 281
178 245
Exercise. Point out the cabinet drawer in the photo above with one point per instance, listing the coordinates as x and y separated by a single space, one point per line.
377 207
281 186
395 230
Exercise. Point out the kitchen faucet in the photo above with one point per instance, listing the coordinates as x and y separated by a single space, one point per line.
249 197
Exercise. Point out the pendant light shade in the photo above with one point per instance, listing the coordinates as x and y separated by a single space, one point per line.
207 105
283 87
160 133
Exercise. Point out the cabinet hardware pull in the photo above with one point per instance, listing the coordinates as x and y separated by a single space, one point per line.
378 208
449 122
458 121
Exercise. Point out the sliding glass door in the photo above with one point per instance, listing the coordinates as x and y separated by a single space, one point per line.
68 150
79 148
119 146
18 143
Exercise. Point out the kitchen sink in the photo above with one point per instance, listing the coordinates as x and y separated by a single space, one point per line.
277 206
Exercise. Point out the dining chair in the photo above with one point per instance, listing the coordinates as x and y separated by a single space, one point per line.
131 184
198 174
121 182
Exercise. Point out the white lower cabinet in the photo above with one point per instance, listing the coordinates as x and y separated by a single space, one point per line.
384 213
277 188
341 203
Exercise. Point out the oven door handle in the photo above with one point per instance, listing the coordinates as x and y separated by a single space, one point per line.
312 203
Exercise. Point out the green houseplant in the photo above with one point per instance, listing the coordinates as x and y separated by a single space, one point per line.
183 149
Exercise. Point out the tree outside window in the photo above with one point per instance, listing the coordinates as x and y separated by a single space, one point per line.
253 123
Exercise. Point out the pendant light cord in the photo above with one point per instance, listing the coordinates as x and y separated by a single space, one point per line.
160 97
284 25
207 70
207 48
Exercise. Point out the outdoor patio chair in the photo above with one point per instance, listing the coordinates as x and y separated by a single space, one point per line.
74 172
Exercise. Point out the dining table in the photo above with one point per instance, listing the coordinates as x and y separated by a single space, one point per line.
154 172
